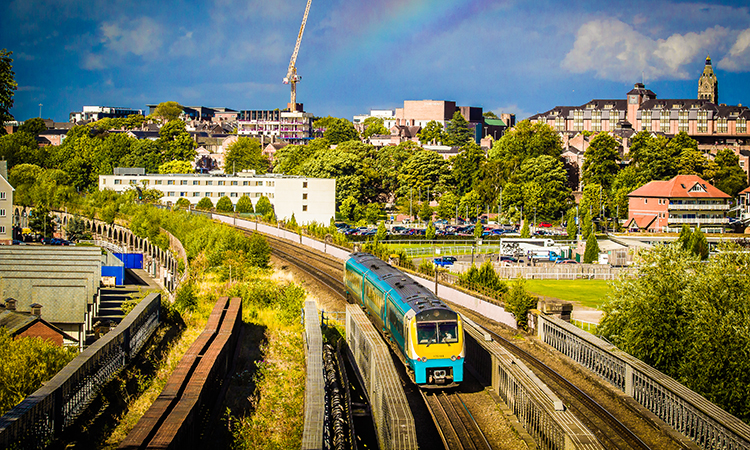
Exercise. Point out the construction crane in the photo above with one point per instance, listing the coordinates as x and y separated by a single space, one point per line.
291 74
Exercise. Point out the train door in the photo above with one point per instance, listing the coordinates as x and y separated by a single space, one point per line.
408 341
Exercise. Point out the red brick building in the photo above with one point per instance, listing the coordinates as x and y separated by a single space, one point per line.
664 206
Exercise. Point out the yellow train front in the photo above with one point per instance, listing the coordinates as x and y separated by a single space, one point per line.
426 333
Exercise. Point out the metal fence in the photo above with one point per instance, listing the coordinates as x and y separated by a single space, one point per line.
34 422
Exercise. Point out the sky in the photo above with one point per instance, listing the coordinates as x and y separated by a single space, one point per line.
519 57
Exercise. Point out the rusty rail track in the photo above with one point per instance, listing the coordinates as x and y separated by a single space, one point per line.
454 422
173 420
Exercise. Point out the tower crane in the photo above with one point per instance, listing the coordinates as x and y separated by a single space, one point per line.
291 74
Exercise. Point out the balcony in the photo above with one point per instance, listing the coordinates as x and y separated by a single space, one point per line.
695 221
706 207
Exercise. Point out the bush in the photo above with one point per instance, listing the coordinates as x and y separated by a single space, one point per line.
518 302
264 206
426 267
186 298
182 202
591 253
244 205
259 252
224 205
205 204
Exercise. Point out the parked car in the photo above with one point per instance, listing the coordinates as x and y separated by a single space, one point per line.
443 261
566 261
506 258
545 224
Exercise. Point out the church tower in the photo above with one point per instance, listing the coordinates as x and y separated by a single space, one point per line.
708 86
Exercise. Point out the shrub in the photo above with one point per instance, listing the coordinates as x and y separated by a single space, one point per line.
244 205
182 203
591 253
205 204
224 205
186 298
518 302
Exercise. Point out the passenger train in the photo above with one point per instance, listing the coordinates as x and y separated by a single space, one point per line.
423 329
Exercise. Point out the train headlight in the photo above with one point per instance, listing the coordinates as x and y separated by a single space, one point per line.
422 359
453 358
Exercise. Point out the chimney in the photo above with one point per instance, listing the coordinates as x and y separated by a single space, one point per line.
36 309
10 304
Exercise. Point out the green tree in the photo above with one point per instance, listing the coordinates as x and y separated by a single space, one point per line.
518 302
182 202
686 235
469 205
40 221
525 233
372 212
572 228
21 148
526 140
382 233
600 163
290 159
35 126
245 154
543 186
77 230
447 205
489 115
176 142
432 133
457 131
430 232
423 171
259 252
591 254
264 206
587 229
28 362
224 205
699 244
694 162
176 167
8 87
350 209
729 178
323 123
425 212
466 168
244 205
205 204
478 230
373 126
340 130
167 111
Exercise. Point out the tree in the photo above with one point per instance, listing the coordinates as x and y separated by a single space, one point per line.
77 230
8 87
176 167
264 206
389 160
205 204
588 226
430 232
244 205
600 163
290 159
432 133
425 212
382 233
259 252
685 238
373 126
699 244
224 205
478 230
470 204
591 253
729 178
176 142
518 302
35 126
457 131
466 168
543 186
350 209
447 205
40 221
372 212
340 130
323 123
182 202
572 228
525 140
490 115
525 232
167 111
245 154
423 171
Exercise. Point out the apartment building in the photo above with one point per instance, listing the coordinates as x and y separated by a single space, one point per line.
6 206
309 199
94 113
293 127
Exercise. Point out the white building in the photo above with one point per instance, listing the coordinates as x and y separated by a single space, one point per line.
6 206
95 113
309 199
388 116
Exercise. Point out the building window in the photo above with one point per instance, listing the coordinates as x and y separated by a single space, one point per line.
183 182
270 183
2 229
664 121
208 194
304 207
559 124
2 195
721 125
233 194
221 183
157 181
183 194
118 181
703 121
741 126
270 195
304 184
596 120
304 196
170 182
2 213
614 117
222 194
196 194
684 121
170 194
245 183
233 183
209 183
578 120
646 121
196 182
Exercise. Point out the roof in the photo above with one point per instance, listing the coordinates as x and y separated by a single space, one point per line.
679 187
494 122
16 322
745 191
642 221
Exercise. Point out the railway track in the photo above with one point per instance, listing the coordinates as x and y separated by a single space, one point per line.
612 433
454 422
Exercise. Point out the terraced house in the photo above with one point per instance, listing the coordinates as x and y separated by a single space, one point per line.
6 206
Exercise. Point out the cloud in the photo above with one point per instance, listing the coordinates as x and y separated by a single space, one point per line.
616 51
520 113
183 46
93 61
140 37
738 58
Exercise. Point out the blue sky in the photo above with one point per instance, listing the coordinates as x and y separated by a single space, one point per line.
506 56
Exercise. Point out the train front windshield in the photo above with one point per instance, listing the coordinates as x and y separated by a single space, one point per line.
437 332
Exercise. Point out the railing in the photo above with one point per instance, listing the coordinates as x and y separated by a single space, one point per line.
34 422
720 220
690 207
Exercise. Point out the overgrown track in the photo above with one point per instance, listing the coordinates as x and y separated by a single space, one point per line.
174 419
613 433
456 425
317 265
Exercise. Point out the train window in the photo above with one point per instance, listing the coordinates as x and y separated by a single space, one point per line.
394 317
354 280
374 296
448 332
426 333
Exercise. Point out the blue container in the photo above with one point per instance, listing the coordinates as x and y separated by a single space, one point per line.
115 271
131 260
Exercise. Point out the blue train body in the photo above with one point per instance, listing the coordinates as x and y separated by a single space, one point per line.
427 333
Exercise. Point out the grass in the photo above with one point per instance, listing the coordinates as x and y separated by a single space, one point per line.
590 293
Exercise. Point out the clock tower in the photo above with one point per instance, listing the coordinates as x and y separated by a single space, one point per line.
708 86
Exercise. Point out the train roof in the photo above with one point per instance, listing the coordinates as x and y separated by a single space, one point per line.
413 294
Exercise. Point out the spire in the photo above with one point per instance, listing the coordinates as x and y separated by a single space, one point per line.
708 60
